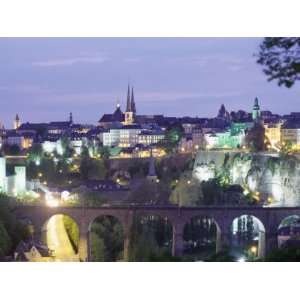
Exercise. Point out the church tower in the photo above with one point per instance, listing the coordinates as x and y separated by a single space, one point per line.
71 119
256 111
130 108
17 122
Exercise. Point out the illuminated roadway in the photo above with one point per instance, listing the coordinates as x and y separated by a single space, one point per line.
58 240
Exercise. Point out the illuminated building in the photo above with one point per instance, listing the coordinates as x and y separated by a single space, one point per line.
224 139
273 133
23 141
290 133
2 174
118 118
20 180
126 136
14 184
112 120
148 137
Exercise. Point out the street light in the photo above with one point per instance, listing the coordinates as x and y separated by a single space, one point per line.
253 250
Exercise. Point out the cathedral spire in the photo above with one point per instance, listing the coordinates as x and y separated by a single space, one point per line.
128 104
133 108
71 118
17 122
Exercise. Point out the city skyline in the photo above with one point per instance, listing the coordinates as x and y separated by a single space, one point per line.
46 78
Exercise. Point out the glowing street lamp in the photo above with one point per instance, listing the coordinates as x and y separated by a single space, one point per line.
253 250
50 200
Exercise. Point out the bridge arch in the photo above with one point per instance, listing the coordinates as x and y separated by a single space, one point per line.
288 231
61 233
154 230
248 236
202 236
106 238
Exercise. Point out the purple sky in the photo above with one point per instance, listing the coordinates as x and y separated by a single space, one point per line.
44 79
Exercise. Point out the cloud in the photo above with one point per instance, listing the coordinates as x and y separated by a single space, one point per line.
233 63
90 59
173 96
25 89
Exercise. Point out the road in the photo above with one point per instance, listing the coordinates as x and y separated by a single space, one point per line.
58 240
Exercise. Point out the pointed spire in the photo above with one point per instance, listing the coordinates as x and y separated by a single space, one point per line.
71 118
118 103
17 122
133 108
128 104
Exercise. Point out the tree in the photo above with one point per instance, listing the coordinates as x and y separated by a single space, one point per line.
107 239
12 231
187 191
255 138
11 149
72 231
104 152
172 137
147 192
35 152
250 229
5 241
97 247
92 168
150 237
280 58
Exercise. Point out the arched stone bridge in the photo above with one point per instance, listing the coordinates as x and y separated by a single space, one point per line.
270 217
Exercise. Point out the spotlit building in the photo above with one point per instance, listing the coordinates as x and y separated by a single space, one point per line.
290 133
273 133
14 184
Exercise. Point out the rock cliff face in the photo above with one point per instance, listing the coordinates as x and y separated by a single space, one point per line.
275 179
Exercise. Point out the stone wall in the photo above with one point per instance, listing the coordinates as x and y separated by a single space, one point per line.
275 179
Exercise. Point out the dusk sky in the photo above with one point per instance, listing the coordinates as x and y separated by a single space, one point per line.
43 79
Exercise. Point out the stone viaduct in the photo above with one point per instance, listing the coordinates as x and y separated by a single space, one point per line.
270 218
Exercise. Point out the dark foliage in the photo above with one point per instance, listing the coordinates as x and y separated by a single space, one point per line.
280 58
